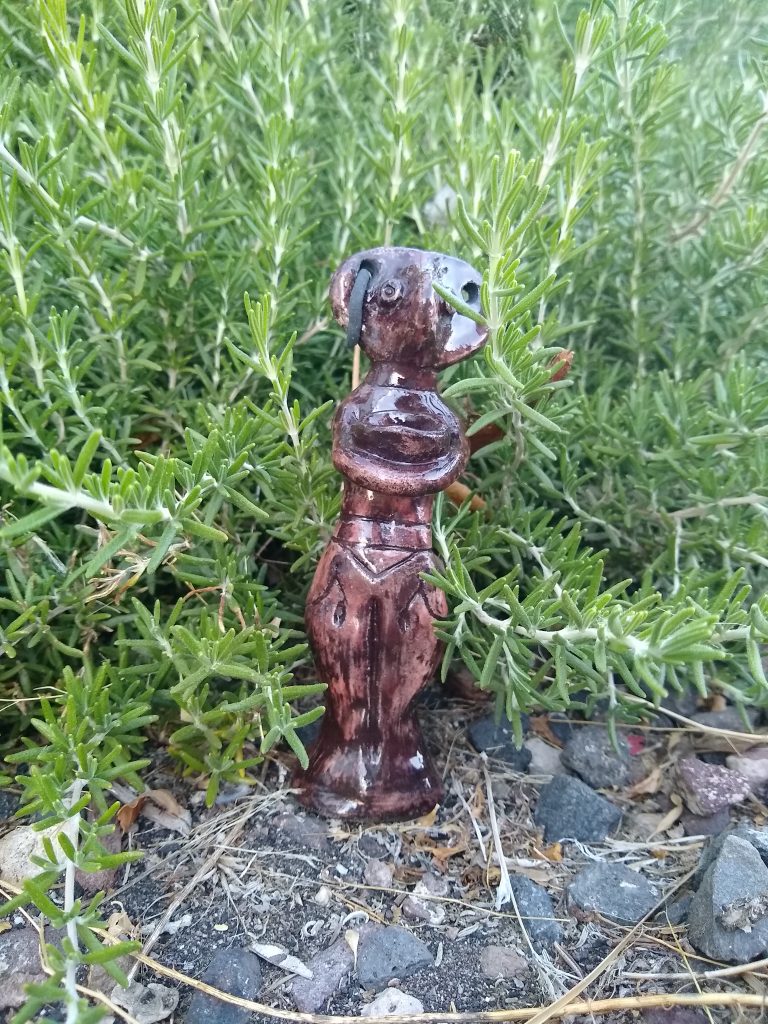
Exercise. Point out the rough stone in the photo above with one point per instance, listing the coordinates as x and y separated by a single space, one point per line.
756 837
708 788
388 953
378 873
546 760
590 753
752 764
420 905
728 918
329 968
308 831
19 965
676 912
569 809
712 825
502 962
612 891
150 1003
498 741
19 847
236 971
537 911
729 718
675 1015
392 1002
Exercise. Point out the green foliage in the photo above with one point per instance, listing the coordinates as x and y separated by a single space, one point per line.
165 475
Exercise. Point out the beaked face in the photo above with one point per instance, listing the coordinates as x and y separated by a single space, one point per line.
394 434
404 319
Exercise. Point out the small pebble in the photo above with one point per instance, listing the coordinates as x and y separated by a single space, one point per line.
330 968
236 971
546 760
591 754
388 952
378 873
711 825
569 809
392 1002
708 788
503 962
498 741
612 891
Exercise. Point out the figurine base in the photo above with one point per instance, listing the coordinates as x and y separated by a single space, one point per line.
391 782
389 806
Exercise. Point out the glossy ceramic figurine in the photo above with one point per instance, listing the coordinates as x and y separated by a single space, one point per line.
369 614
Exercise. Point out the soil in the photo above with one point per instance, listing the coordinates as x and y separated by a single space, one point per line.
262 872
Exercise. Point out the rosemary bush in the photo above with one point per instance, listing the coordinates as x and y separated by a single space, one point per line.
178 182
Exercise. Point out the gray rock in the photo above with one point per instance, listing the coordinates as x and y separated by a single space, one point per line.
330 968
569 809
498 741
19 965
309 831
590 753
612 891
711 825
236 971
147 1004
377 873
537 911
546 760
732 898
676 912
756 837
386 953
502 962
675 1015
729 718
708 788
392 1002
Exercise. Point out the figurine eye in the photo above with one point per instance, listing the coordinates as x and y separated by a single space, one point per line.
470 293
390 292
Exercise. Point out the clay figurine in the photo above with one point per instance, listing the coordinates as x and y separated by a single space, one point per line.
369 614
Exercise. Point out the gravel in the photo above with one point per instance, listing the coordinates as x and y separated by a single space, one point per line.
709 788
388 953
236 971
612 891
591 754
569 809
330 968
503 962
498 741
728 918
535 907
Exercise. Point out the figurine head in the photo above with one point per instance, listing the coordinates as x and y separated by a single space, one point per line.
394 434
401 317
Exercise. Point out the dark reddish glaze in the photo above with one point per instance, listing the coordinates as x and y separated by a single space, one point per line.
369 613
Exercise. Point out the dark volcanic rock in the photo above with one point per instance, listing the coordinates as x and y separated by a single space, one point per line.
712 825
612 891
236 971
590 753
537 911
19 965
756 837
330 968
729 718
498 741
569 809
386 953
728 918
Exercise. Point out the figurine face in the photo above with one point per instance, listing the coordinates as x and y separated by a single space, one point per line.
394 434
404 320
